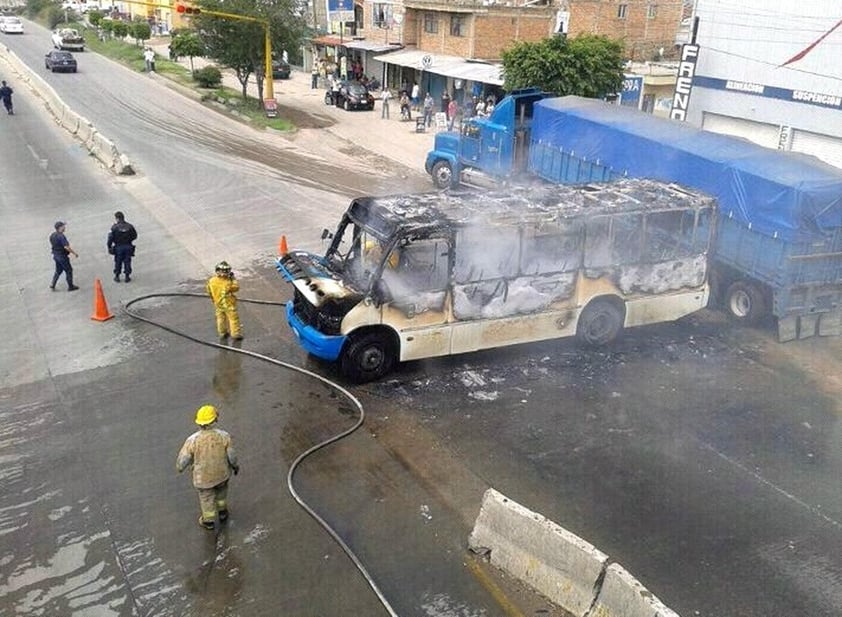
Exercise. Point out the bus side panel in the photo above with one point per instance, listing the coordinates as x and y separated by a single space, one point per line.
422 335
475 334
667 307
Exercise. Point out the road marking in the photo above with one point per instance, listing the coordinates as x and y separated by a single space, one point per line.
42 163
773 486
498 594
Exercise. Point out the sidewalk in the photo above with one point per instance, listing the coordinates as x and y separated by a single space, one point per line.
390 138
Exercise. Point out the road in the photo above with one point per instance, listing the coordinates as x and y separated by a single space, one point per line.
702 457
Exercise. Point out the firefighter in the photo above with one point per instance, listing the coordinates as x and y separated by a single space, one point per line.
212 455
223 288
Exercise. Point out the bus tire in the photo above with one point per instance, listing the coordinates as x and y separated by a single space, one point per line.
744 302
600 323
442 174
367 356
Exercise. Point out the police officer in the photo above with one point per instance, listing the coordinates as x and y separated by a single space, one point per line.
212 455
120 245
62 251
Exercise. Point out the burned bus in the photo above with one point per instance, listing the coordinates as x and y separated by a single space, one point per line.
418 276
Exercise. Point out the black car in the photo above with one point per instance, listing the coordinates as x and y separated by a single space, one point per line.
354 95
280 69
57 60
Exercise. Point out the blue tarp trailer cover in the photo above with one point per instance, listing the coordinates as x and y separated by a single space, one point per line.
780 194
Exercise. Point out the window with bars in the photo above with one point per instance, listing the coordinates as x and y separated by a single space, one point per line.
622 11
652 11
431 23
381 15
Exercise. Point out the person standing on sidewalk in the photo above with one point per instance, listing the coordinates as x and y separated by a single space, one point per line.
314 76
384 98
211 453
120 245
62 251
428 109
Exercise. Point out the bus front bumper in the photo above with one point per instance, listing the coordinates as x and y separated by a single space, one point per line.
314 342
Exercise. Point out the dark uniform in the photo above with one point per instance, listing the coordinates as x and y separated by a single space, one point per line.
61 250
120 245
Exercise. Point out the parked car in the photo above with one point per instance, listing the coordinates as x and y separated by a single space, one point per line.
58 60
11 25
280 69
68 38
354 95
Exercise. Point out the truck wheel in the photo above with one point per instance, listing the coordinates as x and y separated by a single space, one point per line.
367 356
744 302
600 323
442 174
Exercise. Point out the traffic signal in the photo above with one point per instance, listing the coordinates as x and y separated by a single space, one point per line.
187 10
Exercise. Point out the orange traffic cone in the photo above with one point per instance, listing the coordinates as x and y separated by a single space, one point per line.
282 246
101 312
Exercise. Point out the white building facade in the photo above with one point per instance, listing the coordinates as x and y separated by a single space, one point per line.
771 72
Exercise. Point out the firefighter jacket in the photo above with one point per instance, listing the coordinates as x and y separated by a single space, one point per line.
222 291
210 452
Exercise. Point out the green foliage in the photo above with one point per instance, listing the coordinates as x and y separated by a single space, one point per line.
239 44
587 65
140 30
208 77
95 17
120 29
54 15
107 25
186 43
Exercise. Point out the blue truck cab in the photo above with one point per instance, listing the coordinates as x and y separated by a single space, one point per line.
495 146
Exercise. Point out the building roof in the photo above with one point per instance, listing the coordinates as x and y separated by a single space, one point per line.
451 66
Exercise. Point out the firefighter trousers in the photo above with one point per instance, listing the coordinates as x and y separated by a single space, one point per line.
228 322
213 500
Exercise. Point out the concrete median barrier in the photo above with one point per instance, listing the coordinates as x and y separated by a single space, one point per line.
622 595
102 148
555 562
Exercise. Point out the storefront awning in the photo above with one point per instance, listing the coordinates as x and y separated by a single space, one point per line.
372 46
450 66
329 40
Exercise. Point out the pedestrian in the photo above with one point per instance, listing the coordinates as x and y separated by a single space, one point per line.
149 58
314 76
406 108
452 109
384 98
445 101
211 453
428 109
119 244
415 96
6 95
223 288
62 251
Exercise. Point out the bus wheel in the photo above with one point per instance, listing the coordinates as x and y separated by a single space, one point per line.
744 302
442 174
367 356
600 323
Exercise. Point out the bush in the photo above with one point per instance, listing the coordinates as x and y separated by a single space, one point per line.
140 30
95 17
121 29
107 25
208 77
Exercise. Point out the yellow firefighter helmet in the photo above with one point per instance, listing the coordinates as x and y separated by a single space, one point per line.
206 415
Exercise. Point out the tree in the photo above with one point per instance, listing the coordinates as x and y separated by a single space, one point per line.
186 43
239 44
587 65
120 29
140 30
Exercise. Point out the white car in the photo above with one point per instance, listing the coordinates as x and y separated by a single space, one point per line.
69 39
11 25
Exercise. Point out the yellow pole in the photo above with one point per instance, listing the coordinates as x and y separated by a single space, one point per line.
270 84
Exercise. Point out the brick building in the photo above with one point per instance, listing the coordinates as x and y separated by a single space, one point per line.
457 44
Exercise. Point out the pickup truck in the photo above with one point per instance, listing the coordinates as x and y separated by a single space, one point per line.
68 39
